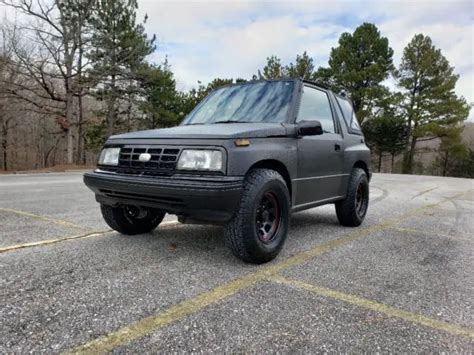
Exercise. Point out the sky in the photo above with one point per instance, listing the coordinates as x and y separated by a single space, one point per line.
231 39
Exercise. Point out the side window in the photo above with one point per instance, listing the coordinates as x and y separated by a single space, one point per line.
315 107
348 113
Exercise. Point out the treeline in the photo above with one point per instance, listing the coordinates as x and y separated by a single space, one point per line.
423 108
73 72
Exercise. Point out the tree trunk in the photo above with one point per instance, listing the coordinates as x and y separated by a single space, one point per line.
48 153
445 167
411 154
14 154
69 88
81 147
111 109
80 132
27 154
39 151
380 161
4 148
69 117
406 166
70 147
393 163
4 145
110 116
408 154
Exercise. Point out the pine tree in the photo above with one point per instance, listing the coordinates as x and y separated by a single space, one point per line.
302 68
454 156
431 106
273 69
385 132
120 46
161 105
358 66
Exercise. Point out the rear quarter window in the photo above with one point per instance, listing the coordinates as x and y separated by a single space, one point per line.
349 115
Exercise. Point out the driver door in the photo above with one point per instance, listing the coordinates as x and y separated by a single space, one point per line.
320 158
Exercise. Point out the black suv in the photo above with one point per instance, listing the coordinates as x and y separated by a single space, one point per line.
246 157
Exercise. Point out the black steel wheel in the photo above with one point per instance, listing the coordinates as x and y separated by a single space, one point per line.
267 219
258 230
362 199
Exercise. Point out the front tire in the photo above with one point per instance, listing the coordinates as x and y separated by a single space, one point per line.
352 210
258 229
131 220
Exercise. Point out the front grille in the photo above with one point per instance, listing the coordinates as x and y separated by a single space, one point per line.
163 159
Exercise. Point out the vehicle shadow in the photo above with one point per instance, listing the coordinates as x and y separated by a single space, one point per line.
207 241
313 218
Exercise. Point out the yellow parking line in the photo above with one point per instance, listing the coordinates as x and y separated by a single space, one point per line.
44 218
434 234
74 237
150 324
52 241
424 192
145 326
376 306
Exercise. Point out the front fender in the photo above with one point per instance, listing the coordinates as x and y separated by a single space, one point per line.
283 150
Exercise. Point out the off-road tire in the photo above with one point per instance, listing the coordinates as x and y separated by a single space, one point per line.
241 232
119 219
347 211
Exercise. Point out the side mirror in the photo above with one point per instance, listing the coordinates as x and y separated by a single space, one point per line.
309 128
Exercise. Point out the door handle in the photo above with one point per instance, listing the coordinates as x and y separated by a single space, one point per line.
337 147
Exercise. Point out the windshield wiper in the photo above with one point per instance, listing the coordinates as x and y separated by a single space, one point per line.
232 121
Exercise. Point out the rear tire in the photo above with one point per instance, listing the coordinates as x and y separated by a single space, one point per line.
352 210
132 220
258 229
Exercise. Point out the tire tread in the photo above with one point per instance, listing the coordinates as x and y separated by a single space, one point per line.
234 230
346 209
116 219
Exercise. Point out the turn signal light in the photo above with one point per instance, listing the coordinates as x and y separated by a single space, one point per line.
242 142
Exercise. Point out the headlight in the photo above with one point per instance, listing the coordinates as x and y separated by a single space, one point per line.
109 156
191 159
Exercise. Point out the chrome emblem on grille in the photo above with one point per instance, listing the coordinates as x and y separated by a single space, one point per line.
144 157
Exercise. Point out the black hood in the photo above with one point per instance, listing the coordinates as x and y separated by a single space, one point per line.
211 131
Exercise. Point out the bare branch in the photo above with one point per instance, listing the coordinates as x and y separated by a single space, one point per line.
26 7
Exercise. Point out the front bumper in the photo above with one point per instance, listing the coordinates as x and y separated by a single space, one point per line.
210 198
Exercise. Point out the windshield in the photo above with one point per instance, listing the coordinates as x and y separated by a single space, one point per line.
257 102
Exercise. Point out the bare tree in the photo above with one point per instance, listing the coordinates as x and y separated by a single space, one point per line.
51 59
7 118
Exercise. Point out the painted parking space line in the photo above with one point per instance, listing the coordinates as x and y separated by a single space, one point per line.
53 241
421 193
71 238
150 324
57 221
390 311
145 326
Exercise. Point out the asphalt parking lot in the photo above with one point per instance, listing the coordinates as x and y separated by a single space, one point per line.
402 282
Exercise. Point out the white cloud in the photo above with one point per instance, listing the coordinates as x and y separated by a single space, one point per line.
204 40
